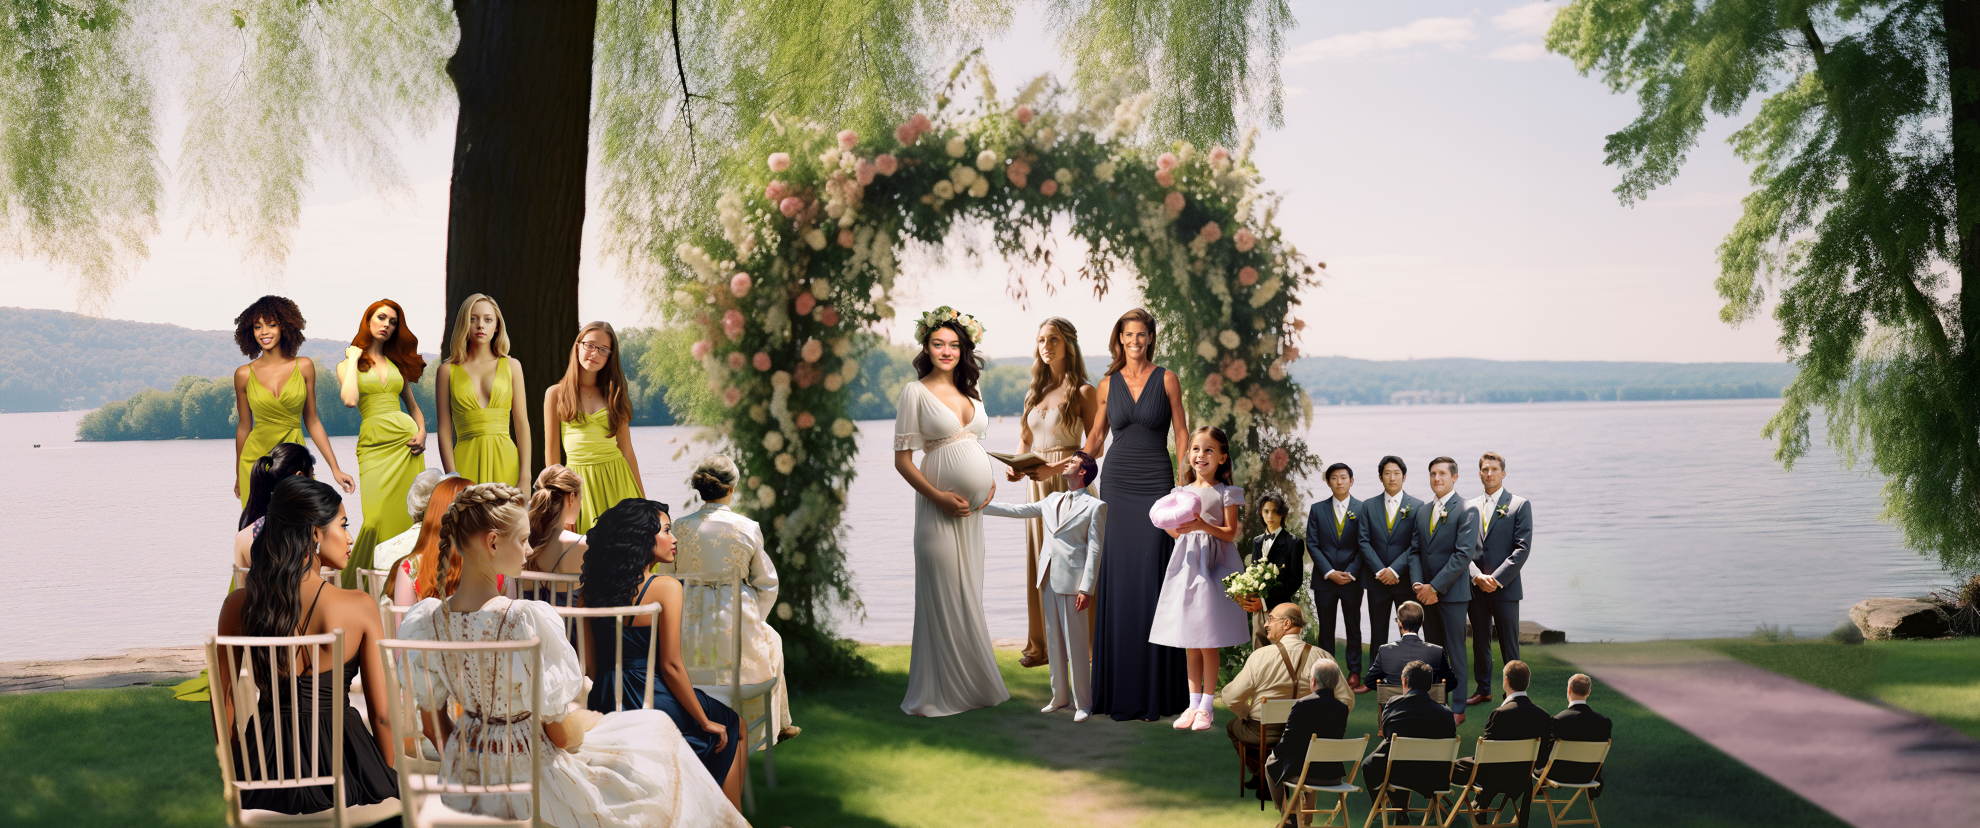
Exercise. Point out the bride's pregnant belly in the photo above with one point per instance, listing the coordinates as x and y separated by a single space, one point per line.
962 468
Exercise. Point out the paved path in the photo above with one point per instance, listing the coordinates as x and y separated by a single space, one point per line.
1871 766
146 666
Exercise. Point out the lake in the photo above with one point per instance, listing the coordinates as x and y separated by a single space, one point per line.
1651 520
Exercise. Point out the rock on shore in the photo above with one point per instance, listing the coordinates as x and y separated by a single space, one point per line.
145 666
1883 619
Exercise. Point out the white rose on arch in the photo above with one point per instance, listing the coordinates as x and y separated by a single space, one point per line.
1229 339
773 441
766 496
785 463
956 147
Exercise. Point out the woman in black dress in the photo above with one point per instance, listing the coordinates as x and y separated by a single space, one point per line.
1133 679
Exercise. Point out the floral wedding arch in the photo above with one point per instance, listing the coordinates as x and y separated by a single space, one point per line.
803 259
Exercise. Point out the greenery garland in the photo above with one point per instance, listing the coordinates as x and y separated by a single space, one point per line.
801 263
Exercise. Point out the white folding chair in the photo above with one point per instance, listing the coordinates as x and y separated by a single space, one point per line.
1593 753
1465 796
553 588
733 692
373 580
1405 749
1320 751
1385 693
574 616
492 758
236 697
1252 757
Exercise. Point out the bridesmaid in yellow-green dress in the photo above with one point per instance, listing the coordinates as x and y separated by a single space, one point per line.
480 384
269 332
594 414
379 370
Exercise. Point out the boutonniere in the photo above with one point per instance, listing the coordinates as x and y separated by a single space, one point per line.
1402 512
1350 516
1502 509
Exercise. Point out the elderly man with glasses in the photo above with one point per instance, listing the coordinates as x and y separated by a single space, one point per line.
1281 670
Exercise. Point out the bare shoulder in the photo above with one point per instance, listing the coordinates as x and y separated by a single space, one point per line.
515 367
1170 382
307 365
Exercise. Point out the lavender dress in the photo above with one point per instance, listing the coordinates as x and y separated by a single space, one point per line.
1193 611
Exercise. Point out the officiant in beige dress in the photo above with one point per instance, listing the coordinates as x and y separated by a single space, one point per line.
1059 410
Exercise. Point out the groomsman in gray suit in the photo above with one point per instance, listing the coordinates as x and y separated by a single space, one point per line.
1334 542
1505 541
1447 542
1387 536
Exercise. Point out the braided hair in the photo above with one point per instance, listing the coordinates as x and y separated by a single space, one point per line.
280 557
481 508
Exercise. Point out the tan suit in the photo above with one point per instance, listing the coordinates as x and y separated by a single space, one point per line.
1265 677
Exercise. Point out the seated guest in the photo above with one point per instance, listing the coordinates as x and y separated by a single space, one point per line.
282 462
553 510
397 547
1518 719
1317 713
1413 715
626 540
629 768
305 528
1409 646
411 572
1274 672
1578 723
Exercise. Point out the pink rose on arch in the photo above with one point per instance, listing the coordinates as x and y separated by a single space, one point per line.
1024 114
760 362
1280 459
847 138
1213 384
845 237
1260 399
886 163
737 361
905 134
1235 370
1166 161
739 285
732 323
921 122
1211 232
731 395
1292 352
1219 155
805 376
1165 178
790 206
805 302
1048 187
1247 275
780 161
864 173
1173 203
776 191
700 348
805 420
812 350
1244 239
829 316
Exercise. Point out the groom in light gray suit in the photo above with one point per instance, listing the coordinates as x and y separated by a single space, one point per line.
1505 542
1068 567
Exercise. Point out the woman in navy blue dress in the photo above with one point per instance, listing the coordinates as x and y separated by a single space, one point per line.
1133 679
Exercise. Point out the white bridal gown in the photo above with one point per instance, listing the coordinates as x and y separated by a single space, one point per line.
951 668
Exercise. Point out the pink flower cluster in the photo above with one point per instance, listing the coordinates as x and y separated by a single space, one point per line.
701 348
739 285
1173 203
1024 114
1247 276
761 361
1244 240
732 324
1019 172
1219 155
805 302
736 361
1280 459
885 163
847 138
1213 384
1260 399
1210 233
776 191
779 161
1048 187
805 420
1235 370
910 131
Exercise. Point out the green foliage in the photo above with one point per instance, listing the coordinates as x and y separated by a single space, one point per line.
1862 223
202 408
1207 61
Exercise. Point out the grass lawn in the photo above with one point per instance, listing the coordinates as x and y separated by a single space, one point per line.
134 757
1939 679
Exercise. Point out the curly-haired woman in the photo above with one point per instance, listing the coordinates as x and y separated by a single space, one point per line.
275 393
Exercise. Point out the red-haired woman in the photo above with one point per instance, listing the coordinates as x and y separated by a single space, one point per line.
379 370
269 332
594 413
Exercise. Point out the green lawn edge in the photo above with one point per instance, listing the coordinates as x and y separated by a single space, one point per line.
1939 679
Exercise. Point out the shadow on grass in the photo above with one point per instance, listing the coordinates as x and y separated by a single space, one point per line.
107 758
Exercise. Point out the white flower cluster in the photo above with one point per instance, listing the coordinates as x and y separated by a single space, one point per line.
735 225
1252 581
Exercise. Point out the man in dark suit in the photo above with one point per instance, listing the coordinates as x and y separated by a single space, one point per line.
1280 547
1412 715
1447 541
1516 720
1578 723
1387 538
1505 543
1386 667
1334 541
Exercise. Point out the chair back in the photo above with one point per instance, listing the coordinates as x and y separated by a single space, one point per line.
373 580
553 588
1385 693
1522 751
495 728
1275 711
1593 753
1336 750
574 616
278 748
1405 749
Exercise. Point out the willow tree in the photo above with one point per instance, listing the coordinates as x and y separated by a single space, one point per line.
1863 129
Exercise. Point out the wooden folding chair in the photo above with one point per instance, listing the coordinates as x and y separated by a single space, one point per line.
1465 796
1544 786
1385 693
734 692
1252 756
373 580
1405 749
423 795
237 719
553 588
574 616
1324 750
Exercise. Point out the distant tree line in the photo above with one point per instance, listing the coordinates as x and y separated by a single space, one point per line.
1338 380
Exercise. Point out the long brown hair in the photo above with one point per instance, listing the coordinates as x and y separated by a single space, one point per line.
1114 348
427 548
1042 380
611 382
555 486
969 368
402 349
1223 472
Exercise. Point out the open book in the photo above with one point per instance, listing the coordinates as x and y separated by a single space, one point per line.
1021 462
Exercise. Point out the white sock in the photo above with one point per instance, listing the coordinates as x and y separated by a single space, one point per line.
1195 700
1208 699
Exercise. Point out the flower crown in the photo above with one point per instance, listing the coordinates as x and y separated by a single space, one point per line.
933 319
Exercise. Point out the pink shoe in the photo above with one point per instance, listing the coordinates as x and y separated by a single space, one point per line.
1203 720
1186 720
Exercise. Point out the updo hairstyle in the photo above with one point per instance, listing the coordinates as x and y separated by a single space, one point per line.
715 478
554 488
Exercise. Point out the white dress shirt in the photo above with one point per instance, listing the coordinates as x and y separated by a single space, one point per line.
1392 502
1485 508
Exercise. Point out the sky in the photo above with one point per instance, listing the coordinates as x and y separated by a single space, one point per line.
1445 167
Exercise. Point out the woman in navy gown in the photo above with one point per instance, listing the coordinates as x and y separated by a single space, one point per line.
1133 679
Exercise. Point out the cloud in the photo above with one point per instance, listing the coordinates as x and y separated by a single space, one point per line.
1532 18
1518 51
1429 31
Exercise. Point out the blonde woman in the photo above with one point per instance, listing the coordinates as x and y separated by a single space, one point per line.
475 393
593 413
1059 411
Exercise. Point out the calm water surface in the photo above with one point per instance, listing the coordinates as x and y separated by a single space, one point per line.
1651 520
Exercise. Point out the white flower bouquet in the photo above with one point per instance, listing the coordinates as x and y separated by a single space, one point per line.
1251 582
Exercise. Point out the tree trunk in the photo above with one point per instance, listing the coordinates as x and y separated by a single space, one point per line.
516 211
1962 24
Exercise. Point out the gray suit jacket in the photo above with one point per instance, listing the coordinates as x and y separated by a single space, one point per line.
1505 545
1444 552
1075 525
1334 551
1383 547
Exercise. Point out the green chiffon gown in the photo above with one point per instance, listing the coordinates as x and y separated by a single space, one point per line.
591 451
386 465
483 450
277 420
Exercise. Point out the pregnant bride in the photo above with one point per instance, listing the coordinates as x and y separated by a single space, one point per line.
951 668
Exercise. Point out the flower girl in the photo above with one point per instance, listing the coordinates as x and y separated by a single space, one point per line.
1193 612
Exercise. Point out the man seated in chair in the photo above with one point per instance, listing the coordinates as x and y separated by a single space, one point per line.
1274 672
1409 646
1413 715
1518 719
1578 723
1317 713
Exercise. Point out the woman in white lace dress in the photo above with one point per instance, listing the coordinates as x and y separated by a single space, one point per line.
629 768
717 544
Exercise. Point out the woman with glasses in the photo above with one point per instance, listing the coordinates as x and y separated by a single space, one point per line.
593 410
475 393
